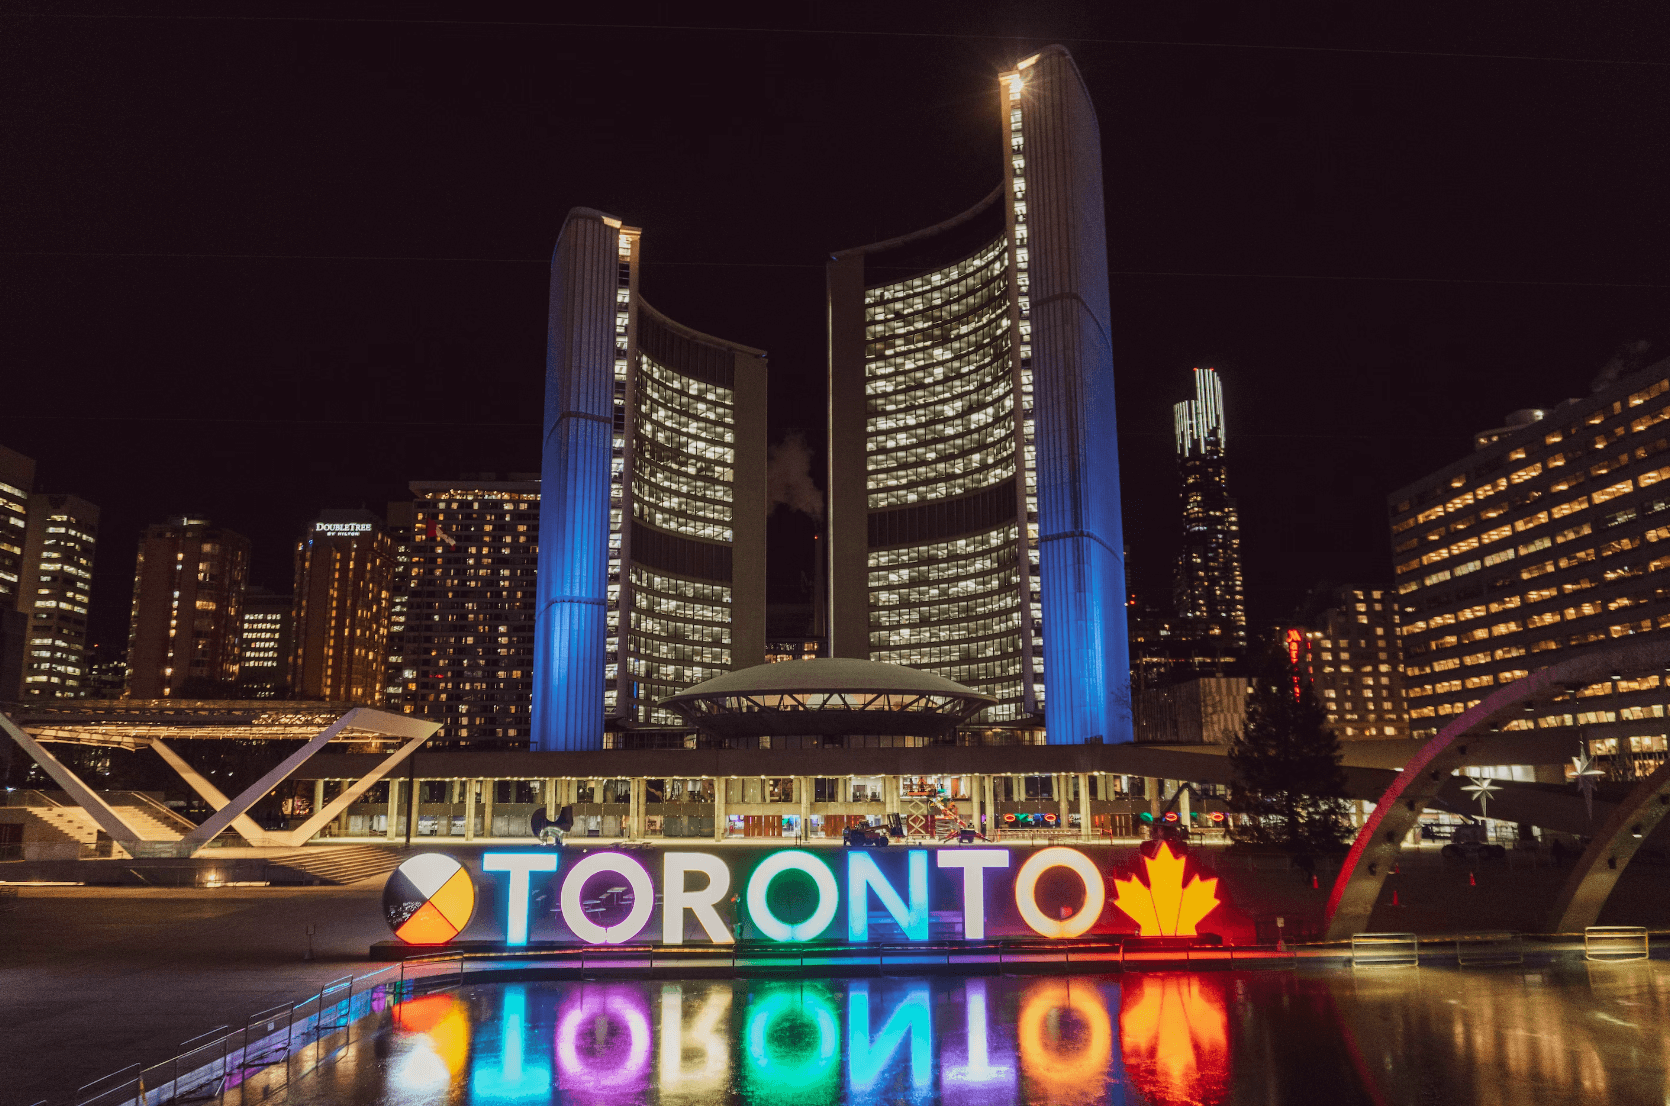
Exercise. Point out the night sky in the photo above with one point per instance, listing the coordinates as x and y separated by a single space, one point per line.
256 266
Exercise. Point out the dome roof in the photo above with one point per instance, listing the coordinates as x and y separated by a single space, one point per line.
827 674
828 696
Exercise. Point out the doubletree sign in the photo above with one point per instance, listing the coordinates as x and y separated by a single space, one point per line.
674 896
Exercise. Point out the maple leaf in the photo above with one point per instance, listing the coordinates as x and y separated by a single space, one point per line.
1167 906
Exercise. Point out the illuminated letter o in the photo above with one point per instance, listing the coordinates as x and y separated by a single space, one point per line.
1026 887
643 899
773 866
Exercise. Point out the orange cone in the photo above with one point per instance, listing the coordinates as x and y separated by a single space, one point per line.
1471 882
1313 885
1394 898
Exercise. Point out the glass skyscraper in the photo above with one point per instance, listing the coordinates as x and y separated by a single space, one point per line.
652 517
974 467
1209 592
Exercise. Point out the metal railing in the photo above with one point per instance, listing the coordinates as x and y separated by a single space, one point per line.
250 1062
1385 950
1611 944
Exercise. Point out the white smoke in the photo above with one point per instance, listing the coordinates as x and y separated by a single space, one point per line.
788 477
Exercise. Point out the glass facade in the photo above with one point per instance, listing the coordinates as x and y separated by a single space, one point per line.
684 578
1554 536
941 427
1209 593
987 450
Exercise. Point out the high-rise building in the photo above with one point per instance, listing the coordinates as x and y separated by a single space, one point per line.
55 590
469 635
652 572
345 578
264 661
184 637
974 526
1552 537
17 478
1346 641
401 520
1208 589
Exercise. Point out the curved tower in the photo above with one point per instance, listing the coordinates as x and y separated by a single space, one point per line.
652 500
974 466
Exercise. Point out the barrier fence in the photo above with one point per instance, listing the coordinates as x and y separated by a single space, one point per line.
1610 944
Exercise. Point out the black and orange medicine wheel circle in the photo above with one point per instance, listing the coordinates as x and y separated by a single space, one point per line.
429 899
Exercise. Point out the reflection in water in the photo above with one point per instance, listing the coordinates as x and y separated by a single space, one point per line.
1498 1038
1066 1040
1174 1034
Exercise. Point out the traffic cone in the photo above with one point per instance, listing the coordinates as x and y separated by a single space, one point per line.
1394 898
1313 884
1471 882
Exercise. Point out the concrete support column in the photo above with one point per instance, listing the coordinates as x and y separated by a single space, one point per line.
392 830
552 802
634 805
469 808
488 788
719 808
1063 798
1182 804
890 794
1086 833
803 792
1151 787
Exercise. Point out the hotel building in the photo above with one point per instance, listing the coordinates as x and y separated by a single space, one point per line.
1209 595
652 572
1553 536
345 579
187 622
468 642
974 527
55 590
1347 643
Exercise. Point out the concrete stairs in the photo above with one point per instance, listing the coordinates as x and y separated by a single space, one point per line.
339 863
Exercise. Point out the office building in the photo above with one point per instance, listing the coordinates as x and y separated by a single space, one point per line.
345 576
264 661
1553 536
1208 596
1346 641
184 636
55 590
402 519
974 528
652 572
469 635
17 479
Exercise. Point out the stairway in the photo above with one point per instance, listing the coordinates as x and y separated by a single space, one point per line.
339 863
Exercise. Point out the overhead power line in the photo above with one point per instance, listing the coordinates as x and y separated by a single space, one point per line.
691 28
1201 274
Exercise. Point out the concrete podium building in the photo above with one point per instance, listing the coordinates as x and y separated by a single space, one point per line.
652 515
974 525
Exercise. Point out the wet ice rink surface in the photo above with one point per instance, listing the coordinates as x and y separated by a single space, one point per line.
1574 1033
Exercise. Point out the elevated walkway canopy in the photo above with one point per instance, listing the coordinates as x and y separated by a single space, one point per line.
152 724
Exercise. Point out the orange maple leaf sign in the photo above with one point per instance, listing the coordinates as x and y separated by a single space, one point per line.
1166 907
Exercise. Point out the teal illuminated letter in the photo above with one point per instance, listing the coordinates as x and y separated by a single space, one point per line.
516 906
863 875
866 1059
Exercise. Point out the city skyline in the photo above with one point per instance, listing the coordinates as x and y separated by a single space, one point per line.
1360 227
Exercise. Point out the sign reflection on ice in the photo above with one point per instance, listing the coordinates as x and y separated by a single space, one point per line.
603 1044
515 1075
973 1042
1174 1032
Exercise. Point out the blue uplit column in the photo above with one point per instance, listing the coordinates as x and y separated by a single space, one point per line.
1081 538
574 487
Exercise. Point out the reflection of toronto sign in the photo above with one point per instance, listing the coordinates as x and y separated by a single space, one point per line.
789 895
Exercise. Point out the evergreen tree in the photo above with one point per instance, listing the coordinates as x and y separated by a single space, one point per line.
1286 767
